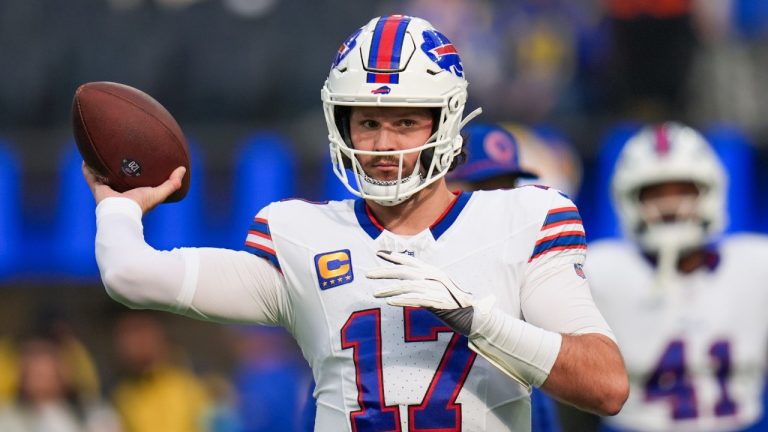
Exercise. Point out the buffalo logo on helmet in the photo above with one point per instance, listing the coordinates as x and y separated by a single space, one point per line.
381 90
441 51
346 48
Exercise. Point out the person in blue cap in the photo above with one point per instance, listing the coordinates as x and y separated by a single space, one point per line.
493 160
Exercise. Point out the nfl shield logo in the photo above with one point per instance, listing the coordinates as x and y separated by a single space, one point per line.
579 271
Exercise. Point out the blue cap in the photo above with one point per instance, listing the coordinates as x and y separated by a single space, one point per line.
491 151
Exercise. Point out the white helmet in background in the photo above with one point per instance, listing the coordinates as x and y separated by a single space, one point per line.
670 152
396 61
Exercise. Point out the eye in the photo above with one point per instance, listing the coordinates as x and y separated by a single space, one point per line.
369 124
407 122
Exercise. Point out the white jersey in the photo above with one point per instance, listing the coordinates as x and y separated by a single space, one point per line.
385 368
695 348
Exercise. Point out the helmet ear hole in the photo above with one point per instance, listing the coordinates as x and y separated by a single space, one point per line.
341 115
426 155
455 103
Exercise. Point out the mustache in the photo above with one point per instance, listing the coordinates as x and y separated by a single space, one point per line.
383 159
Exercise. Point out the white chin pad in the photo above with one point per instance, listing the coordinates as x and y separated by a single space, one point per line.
390 192
676 236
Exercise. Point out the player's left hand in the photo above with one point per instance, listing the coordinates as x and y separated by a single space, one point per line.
424 285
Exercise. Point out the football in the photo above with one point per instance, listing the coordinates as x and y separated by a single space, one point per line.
127 138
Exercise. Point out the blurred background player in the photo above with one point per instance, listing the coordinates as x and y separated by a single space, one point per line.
493 162
500 156
687 304
547 153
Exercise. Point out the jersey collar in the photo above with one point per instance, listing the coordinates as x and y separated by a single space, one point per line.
374 228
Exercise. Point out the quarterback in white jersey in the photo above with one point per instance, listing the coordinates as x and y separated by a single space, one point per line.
417 308
365 355
688 309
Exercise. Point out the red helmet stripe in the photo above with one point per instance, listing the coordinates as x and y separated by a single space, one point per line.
662 140
386 44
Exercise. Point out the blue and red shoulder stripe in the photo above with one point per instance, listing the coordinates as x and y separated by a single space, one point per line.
562 230
259 241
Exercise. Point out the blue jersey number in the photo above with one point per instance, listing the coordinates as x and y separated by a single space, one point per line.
438 409
671 380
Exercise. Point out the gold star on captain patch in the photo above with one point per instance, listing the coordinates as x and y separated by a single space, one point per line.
340 279
332 281
325 283
348 277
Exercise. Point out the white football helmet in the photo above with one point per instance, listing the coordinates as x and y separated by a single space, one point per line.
665 153
396 61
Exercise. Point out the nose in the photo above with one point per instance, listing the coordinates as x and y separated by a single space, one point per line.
385 140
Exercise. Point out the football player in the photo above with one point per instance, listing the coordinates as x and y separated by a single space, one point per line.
687 305
417 308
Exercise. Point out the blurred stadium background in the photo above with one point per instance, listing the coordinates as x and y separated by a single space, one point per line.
242 77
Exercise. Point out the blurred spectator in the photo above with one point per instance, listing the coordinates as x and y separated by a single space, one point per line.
728 68
653 45
47 398
544 43
8 368
271 379
520 56
81 368
155 393
493 162
553 159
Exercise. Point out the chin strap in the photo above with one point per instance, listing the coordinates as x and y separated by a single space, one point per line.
668 242
372 188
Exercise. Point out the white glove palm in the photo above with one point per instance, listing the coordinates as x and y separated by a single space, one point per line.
423 285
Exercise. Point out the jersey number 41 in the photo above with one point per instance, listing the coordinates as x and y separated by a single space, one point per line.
671 380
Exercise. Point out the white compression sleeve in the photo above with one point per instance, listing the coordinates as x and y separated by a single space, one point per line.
204 283
521 350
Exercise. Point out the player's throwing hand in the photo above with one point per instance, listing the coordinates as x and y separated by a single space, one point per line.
147 197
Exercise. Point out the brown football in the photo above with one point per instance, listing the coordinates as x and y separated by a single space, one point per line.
127 138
